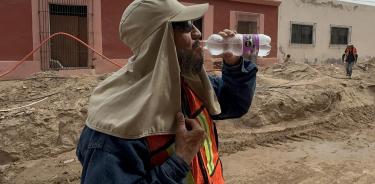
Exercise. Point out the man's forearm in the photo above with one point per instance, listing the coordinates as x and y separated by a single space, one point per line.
235 89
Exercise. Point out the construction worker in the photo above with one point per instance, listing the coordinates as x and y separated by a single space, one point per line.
350 57
287 59
152 121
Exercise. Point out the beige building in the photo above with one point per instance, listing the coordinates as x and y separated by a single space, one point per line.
317 31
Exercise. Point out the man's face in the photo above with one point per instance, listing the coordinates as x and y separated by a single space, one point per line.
189 51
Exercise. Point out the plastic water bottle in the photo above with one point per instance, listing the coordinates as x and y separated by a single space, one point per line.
240 45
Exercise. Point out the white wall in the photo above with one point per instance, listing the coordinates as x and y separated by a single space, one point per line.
324 13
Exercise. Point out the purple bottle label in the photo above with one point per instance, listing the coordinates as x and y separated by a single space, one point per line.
250 44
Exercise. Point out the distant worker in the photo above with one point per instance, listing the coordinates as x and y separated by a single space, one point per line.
350 57
287 59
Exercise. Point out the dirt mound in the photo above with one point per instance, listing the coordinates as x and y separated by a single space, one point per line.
41 116
292 71
371 60
299 91
278 105
370 64
301 99
337 125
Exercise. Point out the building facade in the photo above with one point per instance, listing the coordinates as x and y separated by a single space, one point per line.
27 23
318 31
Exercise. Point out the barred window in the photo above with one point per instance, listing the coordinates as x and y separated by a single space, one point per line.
340 35
302 34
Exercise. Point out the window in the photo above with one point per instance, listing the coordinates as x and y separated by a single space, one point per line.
67 53
247 27
340 35
302 33
66 10
199 25
247 22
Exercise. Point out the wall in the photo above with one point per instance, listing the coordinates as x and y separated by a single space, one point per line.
325 13
16 37
270 18
22 20
24 35
16 19
269 8
111 15
222 10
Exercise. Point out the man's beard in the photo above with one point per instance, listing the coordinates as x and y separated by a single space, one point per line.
191 62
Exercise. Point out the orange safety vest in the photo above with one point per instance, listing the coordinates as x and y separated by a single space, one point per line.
206 167
349 50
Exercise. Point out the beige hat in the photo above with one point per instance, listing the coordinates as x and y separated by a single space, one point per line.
143 98
190 12
133 32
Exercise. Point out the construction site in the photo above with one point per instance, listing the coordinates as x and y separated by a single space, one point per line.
308 122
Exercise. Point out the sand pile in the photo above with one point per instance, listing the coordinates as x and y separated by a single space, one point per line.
297 91
292 71
51 124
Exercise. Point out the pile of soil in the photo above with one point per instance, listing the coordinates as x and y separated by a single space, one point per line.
300 91
41 117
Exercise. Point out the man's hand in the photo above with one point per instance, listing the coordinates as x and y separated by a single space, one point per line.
228 57
189 138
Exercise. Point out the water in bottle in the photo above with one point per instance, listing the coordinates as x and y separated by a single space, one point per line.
240 45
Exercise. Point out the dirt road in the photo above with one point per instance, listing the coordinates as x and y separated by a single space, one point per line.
341 160
341 151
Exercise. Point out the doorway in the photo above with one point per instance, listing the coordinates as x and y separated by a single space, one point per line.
67 53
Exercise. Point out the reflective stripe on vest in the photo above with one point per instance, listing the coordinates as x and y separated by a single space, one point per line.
206 165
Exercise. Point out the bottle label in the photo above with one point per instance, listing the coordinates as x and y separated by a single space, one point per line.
250 44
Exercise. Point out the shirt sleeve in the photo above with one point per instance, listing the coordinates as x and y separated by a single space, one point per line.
235 89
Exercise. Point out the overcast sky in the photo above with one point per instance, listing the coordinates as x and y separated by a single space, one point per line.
368 2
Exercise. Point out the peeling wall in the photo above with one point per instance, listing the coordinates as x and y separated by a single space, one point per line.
332 4
325 13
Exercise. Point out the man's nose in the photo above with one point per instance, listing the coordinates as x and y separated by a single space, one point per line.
196 34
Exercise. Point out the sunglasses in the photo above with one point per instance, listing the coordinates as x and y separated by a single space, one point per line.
185 26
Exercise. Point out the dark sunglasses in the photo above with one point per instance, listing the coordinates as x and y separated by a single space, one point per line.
185 26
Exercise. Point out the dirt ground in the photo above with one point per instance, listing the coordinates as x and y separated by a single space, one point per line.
308 124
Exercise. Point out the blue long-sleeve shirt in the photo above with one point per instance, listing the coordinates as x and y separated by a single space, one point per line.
108 159
235 89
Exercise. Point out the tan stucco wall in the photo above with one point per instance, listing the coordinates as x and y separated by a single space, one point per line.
324 13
